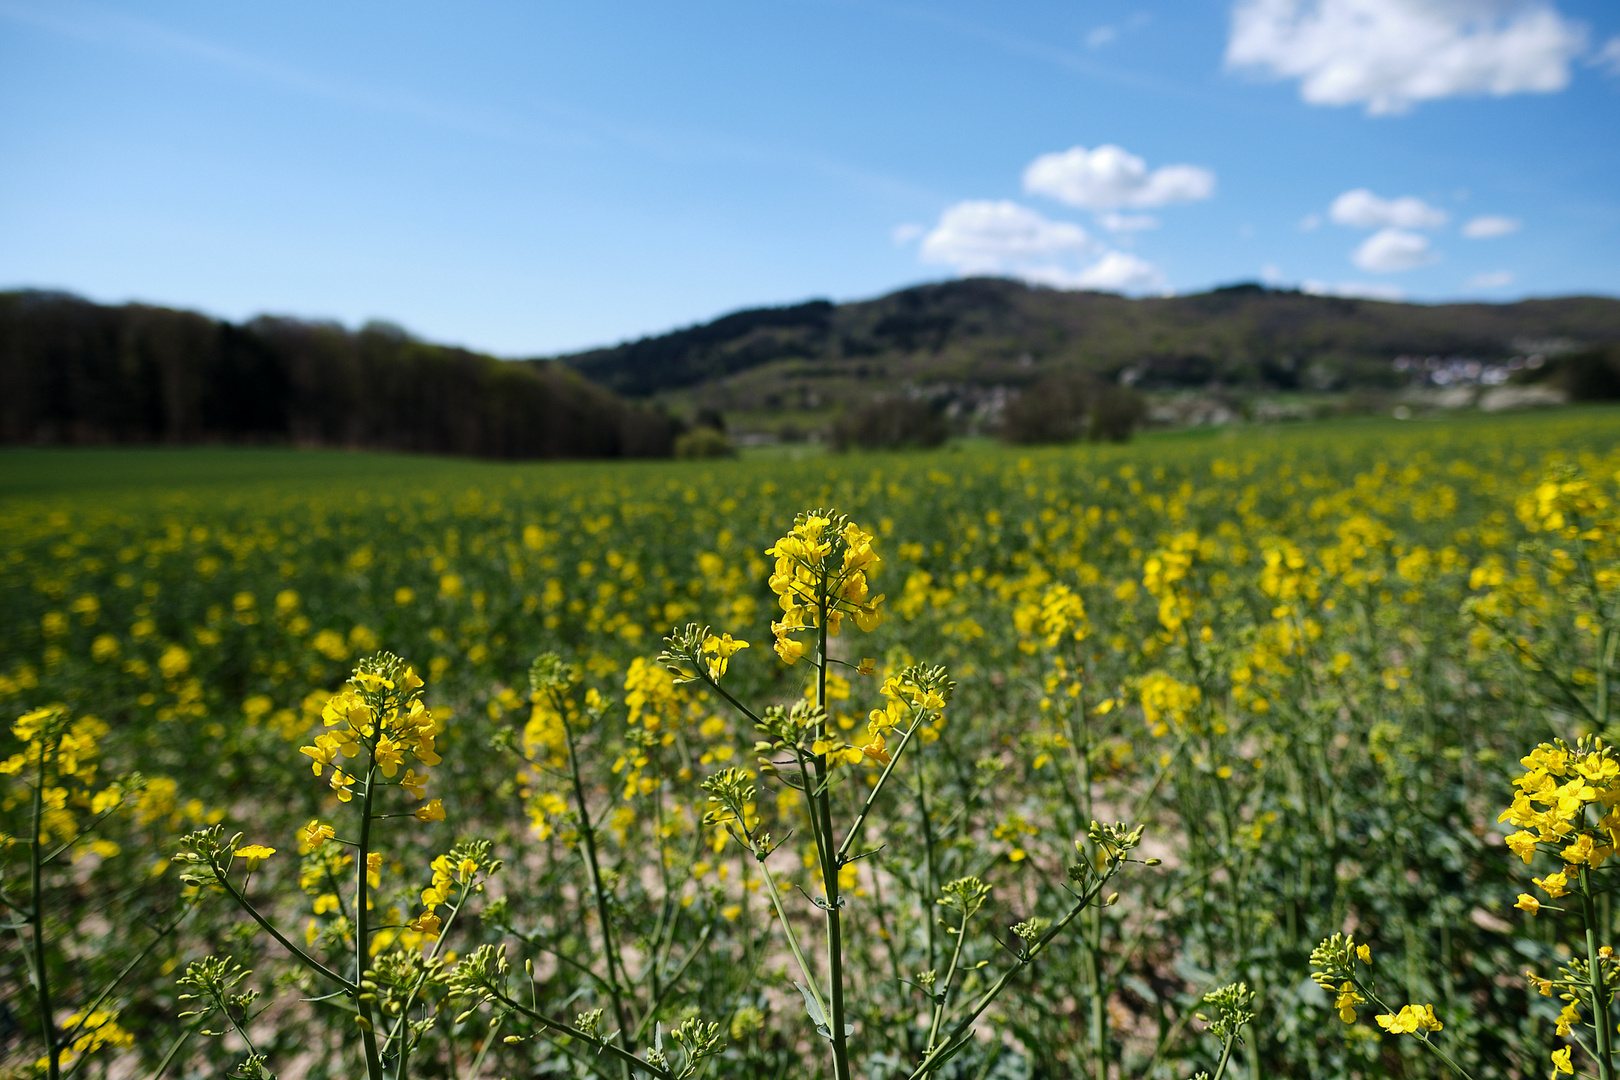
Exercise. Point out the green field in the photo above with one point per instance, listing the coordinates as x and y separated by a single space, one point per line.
1307 659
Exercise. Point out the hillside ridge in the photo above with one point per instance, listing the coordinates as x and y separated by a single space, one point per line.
979 333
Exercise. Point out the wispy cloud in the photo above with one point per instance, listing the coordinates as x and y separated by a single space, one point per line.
542 122
1488 226
1359 290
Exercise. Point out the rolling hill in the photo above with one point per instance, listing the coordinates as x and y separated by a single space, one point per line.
969 341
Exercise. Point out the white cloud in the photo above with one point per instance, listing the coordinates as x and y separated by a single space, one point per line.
1101 36
1122 272
984 237
1271 274
1310 222
1358 290
1390 250
1364 210
905 234
1391 54
1489 225
1117 271
1608 57
1127 222
1109 178
1494 279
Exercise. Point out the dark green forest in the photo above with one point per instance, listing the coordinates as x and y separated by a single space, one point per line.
73 372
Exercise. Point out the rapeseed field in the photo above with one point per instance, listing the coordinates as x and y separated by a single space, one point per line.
1278 753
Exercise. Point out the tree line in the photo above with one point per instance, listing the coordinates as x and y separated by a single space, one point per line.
74 372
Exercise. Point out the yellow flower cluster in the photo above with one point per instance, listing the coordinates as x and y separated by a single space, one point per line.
720 650
60 755
74 749
1059 612
380 715
1167 703
1560 785
1410 1020
1334 969
97 1028
1163 575
1568 505
822 566
651 696
449 874
915 704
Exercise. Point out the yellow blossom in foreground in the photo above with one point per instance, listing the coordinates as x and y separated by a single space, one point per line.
1522 844
1528 903
722 649
1410 1020
1347 1001
1560 1061
255 852
1554 885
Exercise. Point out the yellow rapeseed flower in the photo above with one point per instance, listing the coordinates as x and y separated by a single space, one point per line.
1410 1020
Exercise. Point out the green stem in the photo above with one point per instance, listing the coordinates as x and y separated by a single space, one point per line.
1367 992
674 981
106 991
792 939
281 939
399 1027
362 936
627 1059
930 887
1080 754
588 835
1598 984
42 982
938 1055
877 789
1226 1056
489 1040
178 1045
943 997
830 863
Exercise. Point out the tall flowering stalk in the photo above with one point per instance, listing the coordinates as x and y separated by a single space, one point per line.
58 764
1565 807
1344 968
821 578
378 735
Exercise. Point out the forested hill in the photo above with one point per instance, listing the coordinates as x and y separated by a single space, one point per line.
995 331
72 371
76 372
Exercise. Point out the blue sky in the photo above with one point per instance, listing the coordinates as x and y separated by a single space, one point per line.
533 177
